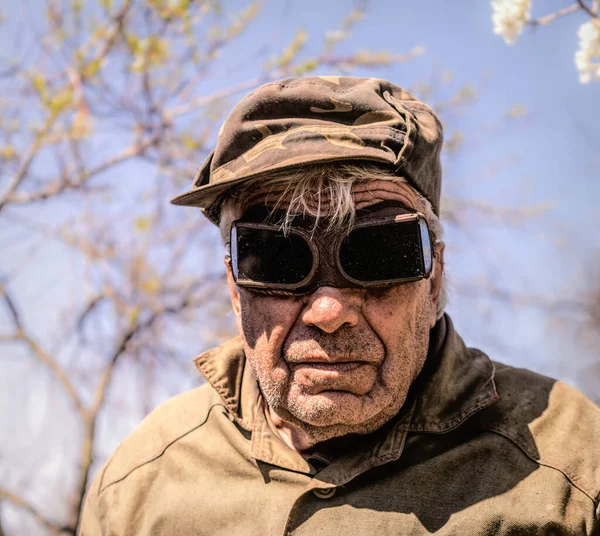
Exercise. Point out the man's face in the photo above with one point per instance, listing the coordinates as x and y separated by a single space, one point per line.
340 360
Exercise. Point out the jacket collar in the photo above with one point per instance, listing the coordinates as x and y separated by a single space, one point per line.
455 383
224 368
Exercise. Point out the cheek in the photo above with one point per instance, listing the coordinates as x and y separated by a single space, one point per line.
393 309
397 315
266 320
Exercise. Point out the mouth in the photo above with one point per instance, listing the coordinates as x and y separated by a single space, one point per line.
341 366
327 365
318 374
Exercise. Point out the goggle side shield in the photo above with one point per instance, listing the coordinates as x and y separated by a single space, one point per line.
374 254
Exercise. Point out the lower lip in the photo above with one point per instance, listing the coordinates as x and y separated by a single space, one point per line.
330 367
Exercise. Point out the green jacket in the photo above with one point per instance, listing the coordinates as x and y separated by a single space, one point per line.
479 448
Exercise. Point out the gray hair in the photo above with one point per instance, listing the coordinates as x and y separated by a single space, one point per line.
309 188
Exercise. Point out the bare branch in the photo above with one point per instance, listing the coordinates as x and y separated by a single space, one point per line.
40 139
89 308
91 417
8 338
113 32
199 102
26 162
589 11
13 311
133 151
364 58
557 14
51 363
19 502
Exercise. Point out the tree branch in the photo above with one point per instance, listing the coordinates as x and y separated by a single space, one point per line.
198 102
112 33
17 501
91 418
583 6
26 162
23 169
553 16
54 367
63 185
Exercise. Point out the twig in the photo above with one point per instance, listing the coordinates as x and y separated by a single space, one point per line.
54 367
15 500
23 169
112 33
228 92
323 60
553 16
53 189
26 162
587 9
90 307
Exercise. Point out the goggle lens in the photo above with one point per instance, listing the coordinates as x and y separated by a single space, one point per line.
269 257
385 252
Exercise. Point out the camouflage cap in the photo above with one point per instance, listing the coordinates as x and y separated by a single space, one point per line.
300 121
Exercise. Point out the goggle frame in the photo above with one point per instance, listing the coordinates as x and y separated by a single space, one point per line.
426 243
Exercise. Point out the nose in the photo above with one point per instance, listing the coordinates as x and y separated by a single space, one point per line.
330 308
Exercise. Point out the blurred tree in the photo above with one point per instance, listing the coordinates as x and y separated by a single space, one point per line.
104 115
107 113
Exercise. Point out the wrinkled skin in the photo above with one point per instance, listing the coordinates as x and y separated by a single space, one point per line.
339 360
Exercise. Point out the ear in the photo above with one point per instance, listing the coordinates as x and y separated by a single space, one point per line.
235 295
436 279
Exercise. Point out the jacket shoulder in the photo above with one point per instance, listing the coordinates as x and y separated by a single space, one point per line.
553 423
160 429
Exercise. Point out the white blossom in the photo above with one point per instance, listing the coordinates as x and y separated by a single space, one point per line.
587 58
509 18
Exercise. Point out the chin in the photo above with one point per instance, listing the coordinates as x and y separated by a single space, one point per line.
333 409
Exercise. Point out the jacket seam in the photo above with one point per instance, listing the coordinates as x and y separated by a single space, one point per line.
161 451
589 494
104 469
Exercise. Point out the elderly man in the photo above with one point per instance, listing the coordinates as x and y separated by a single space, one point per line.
348 404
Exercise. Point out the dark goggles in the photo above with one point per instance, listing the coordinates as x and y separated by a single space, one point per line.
373 254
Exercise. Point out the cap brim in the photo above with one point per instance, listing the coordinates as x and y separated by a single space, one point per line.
205 196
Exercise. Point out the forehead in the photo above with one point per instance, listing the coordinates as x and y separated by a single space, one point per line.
363 195
373 192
